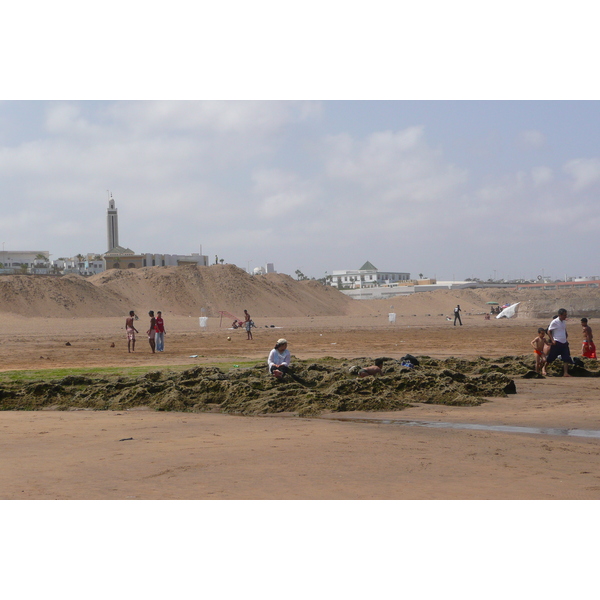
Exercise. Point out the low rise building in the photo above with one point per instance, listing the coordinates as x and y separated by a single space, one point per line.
367 276
175 260
25 261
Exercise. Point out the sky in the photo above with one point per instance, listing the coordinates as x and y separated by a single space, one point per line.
447 189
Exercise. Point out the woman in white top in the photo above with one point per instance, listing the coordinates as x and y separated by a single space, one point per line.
279 359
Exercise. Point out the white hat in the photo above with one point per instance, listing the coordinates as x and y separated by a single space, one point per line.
280 342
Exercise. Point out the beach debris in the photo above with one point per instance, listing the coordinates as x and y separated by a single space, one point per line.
68 344
193 356
125 439
112 345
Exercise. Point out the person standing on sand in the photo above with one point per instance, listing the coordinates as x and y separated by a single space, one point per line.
160 333
588 349
152 332
248 324
457 315
131 331
539 343
559 346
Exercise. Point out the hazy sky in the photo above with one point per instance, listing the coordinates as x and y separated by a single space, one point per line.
451 189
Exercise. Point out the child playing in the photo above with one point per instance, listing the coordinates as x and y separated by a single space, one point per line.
538 349
588 349
371 371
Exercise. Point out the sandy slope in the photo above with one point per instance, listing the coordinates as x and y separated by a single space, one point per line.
205 291
79 454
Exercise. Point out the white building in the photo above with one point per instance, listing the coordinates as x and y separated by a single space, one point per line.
367 276
90 264
28 261
174 260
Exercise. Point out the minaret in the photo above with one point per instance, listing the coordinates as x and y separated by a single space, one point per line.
112 225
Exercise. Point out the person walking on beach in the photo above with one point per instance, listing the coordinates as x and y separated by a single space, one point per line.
457 315
588 349
152 332
131 331
539 343
159 338
559 346
248 324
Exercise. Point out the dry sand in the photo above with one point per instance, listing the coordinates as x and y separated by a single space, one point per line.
140 454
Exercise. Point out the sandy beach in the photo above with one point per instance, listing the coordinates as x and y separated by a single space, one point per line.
142 454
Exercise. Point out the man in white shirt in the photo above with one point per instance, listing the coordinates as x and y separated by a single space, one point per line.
559 346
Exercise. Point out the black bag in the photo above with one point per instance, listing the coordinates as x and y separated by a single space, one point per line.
411 359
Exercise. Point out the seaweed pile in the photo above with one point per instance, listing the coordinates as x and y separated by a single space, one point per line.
329 385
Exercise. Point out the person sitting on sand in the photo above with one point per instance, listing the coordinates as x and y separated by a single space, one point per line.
131 331
279 359
372 371
588 349
539 343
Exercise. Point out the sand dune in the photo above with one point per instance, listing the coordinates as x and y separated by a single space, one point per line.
197 291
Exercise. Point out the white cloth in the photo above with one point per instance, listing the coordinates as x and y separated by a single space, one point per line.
558 329
509 311
277 358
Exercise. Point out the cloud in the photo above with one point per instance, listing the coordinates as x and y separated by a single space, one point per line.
541 176
281 193
584 171
210 117
393 167
532 138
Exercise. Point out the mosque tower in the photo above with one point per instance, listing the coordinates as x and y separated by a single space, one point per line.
112 225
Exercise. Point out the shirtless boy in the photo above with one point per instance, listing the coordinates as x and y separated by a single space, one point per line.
588 349
131 331
538 349
373 370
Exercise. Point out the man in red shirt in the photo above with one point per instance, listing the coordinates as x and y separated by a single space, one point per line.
160 333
